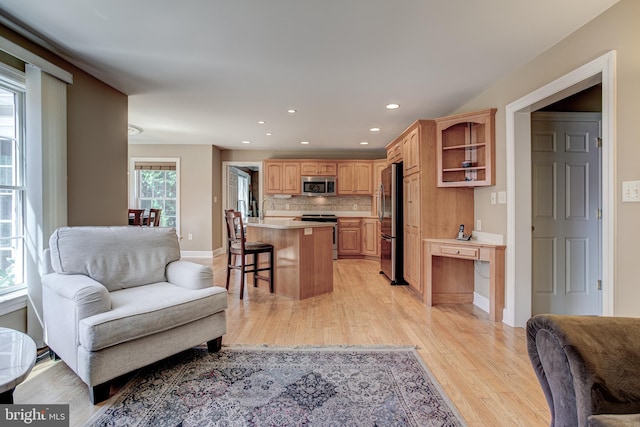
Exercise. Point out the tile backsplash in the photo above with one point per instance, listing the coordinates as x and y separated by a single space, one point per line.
319 204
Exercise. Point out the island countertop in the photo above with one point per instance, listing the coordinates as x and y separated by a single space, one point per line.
285 223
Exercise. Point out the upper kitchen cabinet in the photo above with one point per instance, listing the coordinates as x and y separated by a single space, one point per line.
394 151
354 177
378 165
466 149
282 177
411 152
318 168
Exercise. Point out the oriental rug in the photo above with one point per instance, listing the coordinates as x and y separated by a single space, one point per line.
276 386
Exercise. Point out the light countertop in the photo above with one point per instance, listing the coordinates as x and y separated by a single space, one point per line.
285 223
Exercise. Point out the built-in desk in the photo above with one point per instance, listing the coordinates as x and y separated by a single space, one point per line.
448 272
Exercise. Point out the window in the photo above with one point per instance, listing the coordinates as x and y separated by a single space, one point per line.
157 188
12 186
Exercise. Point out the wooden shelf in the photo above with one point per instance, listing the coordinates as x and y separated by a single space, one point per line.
466 137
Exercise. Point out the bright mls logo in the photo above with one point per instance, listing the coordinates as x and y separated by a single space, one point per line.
34 415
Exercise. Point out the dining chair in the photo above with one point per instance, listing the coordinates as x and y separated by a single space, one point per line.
238 246
154 217
135 216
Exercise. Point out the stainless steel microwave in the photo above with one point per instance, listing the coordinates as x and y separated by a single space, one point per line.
319 186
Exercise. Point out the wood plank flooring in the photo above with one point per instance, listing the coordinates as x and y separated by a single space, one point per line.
482 366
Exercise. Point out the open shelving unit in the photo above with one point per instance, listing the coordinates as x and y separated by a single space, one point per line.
466 149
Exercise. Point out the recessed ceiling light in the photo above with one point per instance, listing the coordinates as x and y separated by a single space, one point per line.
134 130
375 129
364 143
304 142
246 142
268 134
392 106
291 111
261 122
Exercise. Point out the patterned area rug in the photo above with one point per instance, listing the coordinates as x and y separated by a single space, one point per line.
275 386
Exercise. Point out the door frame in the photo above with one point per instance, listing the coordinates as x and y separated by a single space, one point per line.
225 172
518 158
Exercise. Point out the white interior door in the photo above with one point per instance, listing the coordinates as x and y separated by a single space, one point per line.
232 189
566 202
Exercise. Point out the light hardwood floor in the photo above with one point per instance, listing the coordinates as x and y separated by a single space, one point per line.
482 366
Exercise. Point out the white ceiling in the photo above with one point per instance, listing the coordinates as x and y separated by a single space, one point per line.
205 71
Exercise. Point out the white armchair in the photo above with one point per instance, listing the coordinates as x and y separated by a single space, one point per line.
120 298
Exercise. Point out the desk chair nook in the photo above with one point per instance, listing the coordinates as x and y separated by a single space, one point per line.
239 246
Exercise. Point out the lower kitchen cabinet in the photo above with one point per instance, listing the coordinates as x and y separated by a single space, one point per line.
371 237
349 237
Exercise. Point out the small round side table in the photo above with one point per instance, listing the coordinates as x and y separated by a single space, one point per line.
17 357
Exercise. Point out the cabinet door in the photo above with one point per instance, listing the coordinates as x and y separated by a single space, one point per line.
411 194
362 178
318 168
411 152
349 241
273 174
370 237
378 165
345 178
412 260
291 178
327 169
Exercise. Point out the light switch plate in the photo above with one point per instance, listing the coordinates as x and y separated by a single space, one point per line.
493 197
502 197
631 191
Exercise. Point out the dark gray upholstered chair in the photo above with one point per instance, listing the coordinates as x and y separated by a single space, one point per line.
588 367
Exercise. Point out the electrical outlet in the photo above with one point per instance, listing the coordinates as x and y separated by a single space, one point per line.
478 224
286 206
190 236
502 197
493 198
215 199
355 206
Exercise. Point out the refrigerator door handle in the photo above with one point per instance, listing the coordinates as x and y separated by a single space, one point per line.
381 202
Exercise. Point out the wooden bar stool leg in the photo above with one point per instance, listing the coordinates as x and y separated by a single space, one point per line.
228 268
271 271
242 273
256 259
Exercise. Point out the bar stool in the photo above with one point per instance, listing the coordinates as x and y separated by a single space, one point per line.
239 246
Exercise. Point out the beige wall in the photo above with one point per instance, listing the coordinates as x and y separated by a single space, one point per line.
15 320
616 29
96 144
260 155
196 191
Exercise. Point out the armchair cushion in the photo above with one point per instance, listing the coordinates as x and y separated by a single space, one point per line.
118 257
141 311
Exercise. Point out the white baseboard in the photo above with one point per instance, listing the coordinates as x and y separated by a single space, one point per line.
481 302
196 254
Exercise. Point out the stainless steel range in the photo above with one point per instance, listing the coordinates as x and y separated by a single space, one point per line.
326 218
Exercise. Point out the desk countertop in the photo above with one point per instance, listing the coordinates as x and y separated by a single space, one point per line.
472 242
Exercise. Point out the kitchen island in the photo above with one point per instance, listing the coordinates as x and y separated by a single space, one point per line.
303 255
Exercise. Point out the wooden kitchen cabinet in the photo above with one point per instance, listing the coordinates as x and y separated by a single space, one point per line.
429 211
378 166
411 152
394 152
318 168
370 237
411 231
354 177
282 177
466 149
349 237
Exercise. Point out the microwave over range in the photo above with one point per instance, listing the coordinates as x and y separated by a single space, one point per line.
318 185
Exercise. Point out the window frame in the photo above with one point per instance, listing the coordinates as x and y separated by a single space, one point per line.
134 184
15 81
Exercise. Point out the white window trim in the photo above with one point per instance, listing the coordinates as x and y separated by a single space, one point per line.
133 185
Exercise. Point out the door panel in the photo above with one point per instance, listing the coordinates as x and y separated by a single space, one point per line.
565 201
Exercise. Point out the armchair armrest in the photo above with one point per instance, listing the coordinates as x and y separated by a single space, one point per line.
586 365
88 296
189 275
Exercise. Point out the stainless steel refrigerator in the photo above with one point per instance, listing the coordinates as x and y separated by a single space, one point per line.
390 214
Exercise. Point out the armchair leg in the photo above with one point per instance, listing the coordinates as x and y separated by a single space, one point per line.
214 345
53 356
99 392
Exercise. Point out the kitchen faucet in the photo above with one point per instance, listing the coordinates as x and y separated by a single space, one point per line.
262 210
